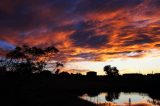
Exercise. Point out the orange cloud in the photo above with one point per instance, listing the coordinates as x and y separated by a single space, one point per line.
84 30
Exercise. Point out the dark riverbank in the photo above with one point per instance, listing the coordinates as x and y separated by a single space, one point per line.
63 90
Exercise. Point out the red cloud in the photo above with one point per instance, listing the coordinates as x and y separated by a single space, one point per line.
103 29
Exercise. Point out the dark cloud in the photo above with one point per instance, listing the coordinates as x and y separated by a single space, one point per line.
105 5
115 53
138 40
3 52
155 3
86 36
87 56
127 53
29 15
84 25
157 45
99 25
89 39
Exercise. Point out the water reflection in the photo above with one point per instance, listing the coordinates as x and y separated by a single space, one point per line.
111 96
154 102
122 98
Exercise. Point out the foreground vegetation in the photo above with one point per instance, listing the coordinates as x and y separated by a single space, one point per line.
25 80
44 88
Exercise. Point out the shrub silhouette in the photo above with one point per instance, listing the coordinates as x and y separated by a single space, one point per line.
111 71
57 67
27 59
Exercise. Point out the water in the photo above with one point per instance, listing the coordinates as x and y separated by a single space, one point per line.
121 98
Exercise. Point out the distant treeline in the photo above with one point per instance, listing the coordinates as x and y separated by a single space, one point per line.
25 80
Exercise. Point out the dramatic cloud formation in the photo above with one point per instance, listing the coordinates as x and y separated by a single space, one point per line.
92 30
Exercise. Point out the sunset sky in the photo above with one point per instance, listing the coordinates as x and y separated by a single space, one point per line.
89 33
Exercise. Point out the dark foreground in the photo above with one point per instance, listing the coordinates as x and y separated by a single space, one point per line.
63 90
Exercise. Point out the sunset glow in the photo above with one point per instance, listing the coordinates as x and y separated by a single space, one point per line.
89 33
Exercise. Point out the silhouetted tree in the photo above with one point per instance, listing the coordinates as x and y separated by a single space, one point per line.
57 67
64 74
57 71
111 71
115 71
108 70
2 65
30 59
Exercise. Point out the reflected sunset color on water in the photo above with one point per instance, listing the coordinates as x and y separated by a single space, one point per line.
121 99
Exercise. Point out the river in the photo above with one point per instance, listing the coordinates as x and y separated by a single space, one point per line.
122 98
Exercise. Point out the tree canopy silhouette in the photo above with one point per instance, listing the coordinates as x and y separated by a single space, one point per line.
111 71
30 59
